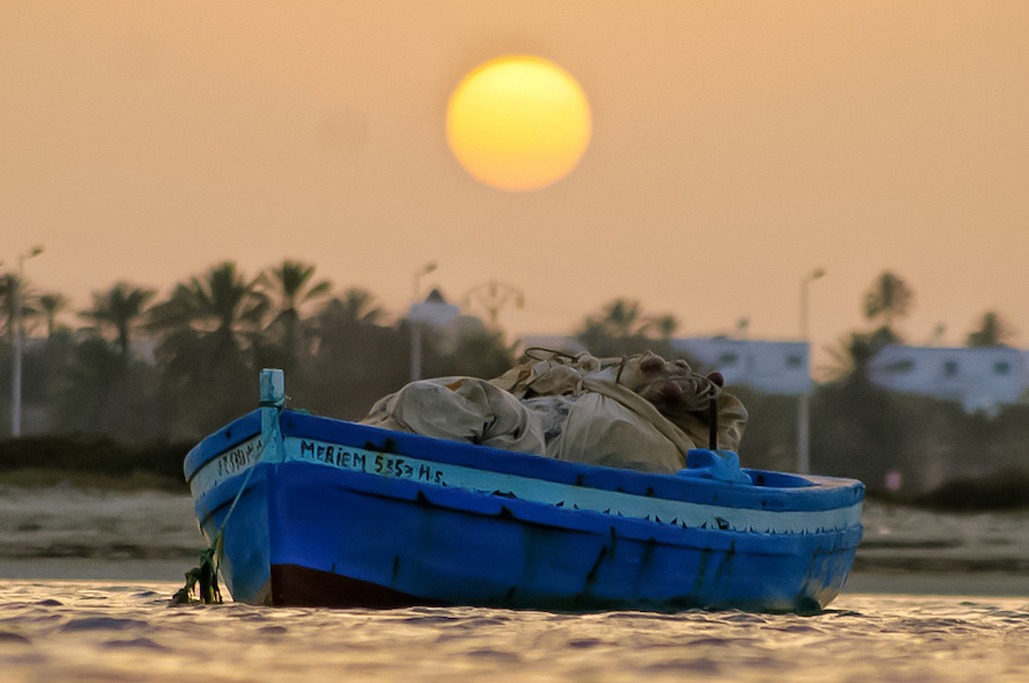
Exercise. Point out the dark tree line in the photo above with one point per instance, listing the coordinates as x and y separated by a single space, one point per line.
144 369
207 340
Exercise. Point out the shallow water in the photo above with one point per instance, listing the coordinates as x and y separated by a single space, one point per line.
102 631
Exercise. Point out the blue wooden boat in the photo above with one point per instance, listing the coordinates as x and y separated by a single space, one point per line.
323 512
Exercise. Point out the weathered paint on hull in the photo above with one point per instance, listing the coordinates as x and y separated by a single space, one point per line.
349 540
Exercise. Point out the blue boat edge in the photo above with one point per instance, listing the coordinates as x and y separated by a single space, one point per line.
319 511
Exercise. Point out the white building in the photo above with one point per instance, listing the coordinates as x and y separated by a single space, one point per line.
773 367
981 379
435 311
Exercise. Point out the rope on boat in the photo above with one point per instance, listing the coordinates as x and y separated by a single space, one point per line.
202 580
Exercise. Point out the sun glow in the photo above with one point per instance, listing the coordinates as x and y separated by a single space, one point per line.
518 123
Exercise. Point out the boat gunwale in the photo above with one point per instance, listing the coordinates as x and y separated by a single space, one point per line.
542 514
226 438
823 493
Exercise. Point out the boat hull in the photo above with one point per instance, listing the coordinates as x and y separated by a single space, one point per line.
350 516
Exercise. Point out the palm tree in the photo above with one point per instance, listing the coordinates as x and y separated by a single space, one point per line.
992 331
357 306
621 328
8 287
888 298
852 354
208 328
622 318
356 360
664 325
120 308
291 284
51 305
9 292
349 316
222 303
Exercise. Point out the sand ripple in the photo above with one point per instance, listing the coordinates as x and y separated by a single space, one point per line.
85 631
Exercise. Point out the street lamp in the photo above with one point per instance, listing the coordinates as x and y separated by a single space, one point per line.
19 333
494 296
417 278
804 399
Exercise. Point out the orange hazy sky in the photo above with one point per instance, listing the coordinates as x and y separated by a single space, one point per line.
736 147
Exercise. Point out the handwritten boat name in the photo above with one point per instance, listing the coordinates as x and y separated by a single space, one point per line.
228 464
239 458
373 463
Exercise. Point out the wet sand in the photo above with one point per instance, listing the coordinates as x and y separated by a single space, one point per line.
905 550
68 533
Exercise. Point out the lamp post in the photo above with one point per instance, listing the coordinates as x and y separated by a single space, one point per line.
417 278
803 400
416 325
19 333
494 295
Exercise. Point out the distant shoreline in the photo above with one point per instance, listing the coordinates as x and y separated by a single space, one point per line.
88 569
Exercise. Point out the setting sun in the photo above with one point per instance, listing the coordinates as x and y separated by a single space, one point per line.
518 123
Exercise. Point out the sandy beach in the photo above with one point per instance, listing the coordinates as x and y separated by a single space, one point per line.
69 533
905 550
